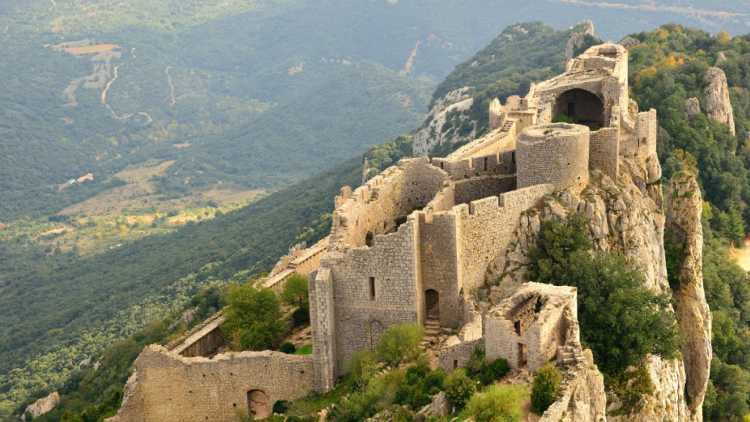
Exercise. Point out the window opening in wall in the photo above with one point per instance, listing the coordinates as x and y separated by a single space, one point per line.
372 288
517 327
485 163
455 363
369 239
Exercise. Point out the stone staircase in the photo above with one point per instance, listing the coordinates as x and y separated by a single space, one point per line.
569 355
431 333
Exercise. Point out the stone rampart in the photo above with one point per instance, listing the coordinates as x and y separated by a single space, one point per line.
494 164
557 153
376 287
485 229
170 388
380 206
604 151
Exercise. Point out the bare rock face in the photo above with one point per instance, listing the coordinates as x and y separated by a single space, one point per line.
586 28
684 208
431 134
42 406
583 398
692 107
627 216
718 105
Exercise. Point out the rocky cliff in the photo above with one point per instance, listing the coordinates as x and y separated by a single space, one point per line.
453 107
716 98
628 216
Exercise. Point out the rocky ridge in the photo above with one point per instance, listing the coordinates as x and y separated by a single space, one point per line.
628 216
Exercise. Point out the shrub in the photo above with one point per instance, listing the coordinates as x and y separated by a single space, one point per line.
420 384
459 388
253 318
400 343
288 348
362 367
500 403
280 406
493 371
301 317
546 388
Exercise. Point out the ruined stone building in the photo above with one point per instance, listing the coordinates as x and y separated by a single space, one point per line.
414 243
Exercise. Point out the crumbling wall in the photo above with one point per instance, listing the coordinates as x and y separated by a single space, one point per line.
485 228
439 263
529 327
380 205
493 164
171 388
376 287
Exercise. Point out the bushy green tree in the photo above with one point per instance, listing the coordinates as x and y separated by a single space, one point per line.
546 388
499 403
459 388
400 343
253 318
621 320
295 292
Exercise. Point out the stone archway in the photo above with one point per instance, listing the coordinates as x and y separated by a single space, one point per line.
432 304
259 405
581 107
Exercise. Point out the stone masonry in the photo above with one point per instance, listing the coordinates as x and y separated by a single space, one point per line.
414 244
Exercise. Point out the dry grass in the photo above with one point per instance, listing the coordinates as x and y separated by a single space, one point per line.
741 256
90 49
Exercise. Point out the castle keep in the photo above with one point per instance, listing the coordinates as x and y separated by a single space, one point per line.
414 243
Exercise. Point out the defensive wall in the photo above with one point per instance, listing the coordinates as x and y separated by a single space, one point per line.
167 387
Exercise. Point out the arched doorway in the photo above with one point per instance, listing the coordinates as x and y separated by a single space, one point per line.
581 107
259 404
432 304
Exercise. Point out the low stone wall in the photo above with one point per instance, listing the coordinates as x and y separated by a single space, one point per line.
583 398
604 151
456 353
167 387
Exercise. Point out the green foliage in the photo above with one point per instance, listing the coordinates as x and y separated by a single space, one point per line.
253 318
621 320
420 384
400 343
295 292
545 389
459 388
630 387
554 250
288 348
483 371
363 365
499 403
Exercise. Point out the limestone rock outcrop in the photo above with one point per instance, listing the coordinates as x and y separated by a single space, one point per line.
716 96
431 134
577 38
583 397
684 208
42 406
627 216
692 106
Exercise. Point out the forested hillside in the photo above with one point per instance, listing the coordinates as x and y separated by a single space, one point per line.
256 95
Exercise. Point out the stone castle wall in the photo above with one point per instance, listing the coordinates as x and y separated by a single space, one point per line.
604 151
170 388
557 153
377 207
440 264
485 228
376 287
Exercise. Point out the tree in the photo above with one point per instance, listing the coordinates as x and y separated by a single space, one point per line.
545 389
621 320
499 403
400 343
253 318
459 388
296 291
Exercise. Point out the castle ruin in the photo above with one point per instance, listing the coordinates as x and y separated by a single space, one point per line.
414 243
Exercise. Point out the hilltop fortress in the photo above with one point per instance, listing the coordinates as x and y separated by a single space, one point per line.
415 243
